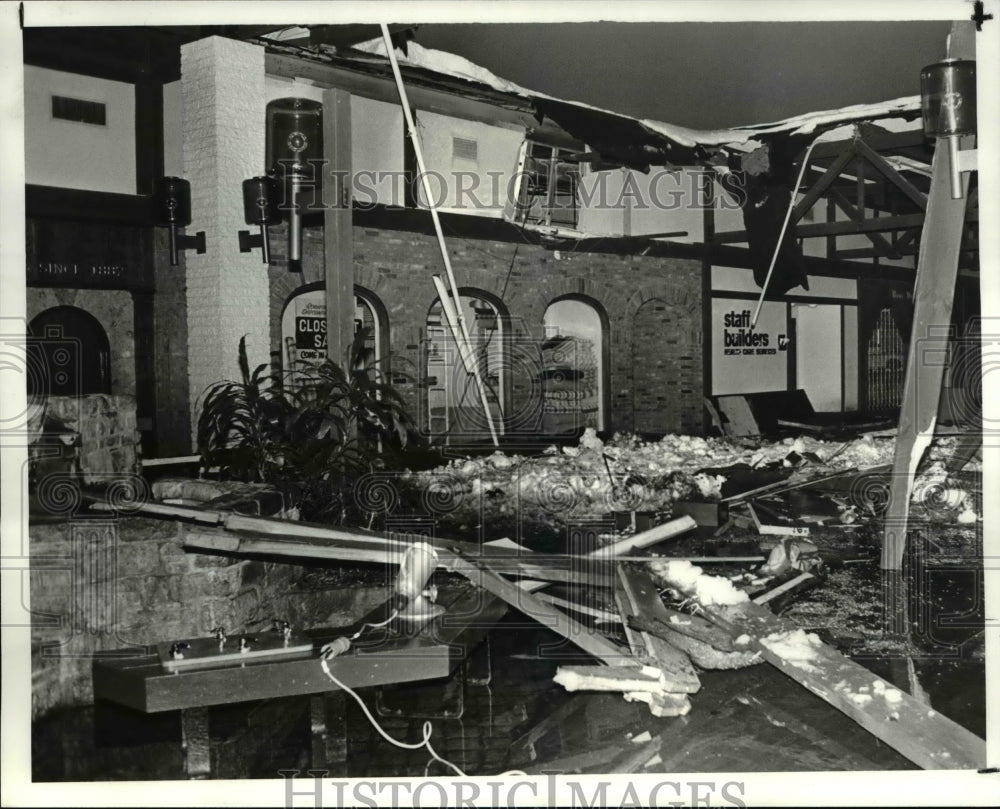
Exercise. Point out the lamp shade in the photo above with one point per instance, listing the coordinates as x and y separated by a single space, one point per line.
172 202
294 135
948 98
260 201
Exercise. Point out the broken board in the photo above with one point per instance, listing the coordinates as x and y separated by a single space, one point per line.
643 600
924 736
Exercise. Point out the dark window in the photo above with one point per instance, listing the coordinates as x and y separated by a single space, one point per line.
76 109
548 187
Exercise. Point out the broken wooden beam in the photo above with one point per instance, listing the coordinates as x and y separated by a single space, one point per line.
923 735
690 625
643 599
481 575
377 550
645 538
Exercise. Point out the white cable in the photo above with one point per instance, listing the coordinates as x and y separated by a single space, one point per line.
781 236
427 728
357 634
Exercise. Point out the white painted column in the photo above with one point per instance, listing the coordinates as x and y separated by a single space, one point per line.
222 87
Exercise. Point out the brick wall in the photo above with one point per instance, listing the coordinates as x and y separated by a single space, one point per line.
222 84
653 306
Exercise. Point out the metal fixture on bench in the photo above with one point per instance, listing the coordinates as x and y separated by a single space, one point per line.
172 209
948 107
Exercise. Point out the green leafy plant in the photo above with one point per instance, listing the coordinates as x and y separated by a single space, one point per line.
312 438
242 426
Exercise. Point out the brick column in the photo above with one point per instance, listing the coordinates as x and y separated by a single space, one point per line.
222 84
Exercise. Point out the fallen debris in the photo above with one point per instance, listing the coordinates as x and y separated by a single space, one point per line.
924 736
606 678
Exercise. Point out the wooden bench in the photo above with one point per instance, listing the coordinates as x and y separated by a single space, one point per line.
391 655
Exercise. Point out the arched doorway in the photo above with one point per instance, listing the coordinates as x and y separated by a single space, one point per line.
70 349
303 329
453 402
574 355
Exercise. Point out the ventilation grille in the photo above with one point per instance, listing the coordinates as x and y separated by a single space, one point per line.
76 109
464 149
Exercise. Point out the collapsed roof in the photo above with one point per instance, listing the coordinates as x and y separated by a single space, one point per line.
636 143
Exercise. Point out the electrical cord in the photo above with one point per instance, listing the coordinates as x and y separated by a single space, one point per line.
427 727
341 645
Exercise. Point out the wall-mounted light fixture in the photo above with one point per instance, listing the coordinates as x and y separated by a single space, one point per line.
294 156
948 107
172 208
260 207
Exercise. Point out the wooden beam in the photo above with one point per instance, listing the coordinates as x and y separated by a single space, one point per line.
823 183
878 139
576 633
338 229
644 601
919 199
43 201
857 216
359 549
924 736
933 296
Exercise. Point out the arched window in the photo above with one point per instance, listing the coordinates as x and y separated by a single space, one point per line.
886 365
574 354
454 405
303 328
70 353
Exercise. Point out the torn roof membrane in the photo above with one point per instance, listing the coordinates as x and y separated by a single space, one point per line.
637 143
648 133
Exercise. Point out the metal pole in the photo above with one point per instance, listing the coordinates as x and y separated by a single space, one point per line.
437 229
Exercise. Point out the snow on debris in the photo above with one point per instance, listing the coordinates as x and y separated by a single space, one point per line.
692 580
796 646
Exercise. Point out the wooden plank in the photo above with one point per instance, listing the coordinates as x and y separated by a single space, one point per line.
924 736
886 170
644 539
815 191
933 296
690 625
602 615
481 575
644 600
338 231
379 551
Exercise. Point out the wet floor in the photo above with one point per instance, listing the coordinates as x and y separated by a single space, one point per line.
500 710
